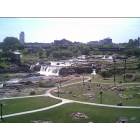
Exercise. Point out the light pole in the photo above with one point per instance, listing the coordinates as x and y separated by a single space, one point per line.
89 84
114 61
58 87
101 93
1 112
83 79
124 77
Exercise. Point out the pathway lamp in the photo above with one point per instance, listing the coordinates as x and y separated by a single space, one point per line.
114 73
101 93
83 80
58 89
124 78
1 111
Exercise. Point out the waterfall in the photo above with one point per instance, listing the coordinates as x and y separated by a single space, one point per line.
54 68
50 70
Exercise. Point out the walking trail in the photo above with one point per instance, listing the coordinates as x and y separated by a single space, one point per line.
64 101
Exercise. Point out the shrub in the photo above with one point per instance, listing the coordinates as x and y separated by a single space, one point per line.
106 73
32 92
132 77
129 75
46 84
137 77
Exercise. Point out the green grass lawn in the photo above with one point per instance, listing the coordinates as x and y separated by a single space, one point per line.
109 96
62 114
26 104
119 79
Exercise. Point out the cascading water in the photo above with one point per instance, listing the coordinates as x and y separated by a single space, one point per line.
54 68
50 70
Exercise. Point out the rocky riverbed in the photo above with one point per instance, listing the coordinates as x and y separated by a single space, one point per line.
24 84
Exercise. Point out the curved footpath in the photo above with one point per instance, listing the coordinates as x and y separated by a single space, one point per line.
63 101
36 110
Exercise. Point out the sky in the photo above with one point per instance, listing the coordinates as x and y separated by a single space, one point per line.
74 29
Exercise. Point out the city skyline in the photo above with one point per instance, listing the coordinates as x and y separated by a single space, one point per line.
46 30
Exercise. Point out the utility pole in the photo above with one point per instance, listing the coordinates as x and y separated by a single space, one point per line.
114 61
124 77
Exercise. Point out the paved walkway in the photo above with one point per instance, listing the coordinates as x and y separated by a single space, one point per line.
36 110
64 101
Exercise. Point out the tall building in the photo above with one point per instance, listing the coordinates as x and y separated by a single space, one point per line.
138 42
106 41
22 38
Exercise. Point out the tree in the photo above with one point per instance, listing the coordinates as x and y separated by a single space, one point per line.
61 54
40 53
131 43
11 44
85 50
106 73
132 52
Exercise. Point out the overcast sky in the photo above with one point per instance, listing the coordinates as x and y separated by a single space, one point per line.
74 29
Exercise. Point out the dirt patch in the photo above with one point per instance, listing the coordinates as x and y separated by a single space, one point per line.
78 115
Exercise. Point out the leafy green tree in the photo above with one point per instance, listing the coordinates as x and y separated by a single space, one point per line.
106 73
11 44
40 53
132 52
61 54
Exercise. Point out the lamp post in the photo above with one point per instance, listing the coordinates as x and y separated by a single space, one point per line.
60 85
114 61
101 93
124 77
83 79
58 89
1 112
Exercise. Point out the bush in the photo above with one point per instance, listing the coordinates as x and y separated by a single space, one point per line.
46 84
132 77
106 73
137 77
32 92
129 75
